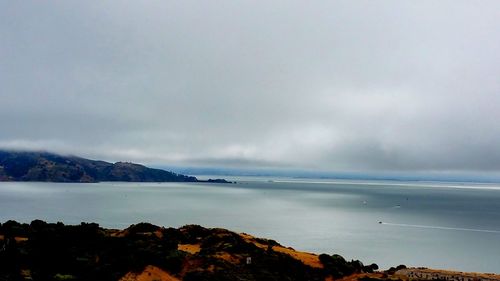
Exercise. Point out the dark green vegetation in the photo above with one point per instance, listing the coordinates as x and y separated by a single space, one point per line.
216 181
42 251
42 166
338 267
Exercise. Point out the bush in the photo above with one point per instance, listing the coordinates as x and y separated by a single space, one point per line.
173 261
338 267
13 228
142 227
191 234
370 268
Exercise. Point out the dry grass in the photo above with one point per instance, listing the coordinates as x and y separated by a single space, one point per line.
18 238
228 257
309 259
21 239
159 233
117 232
189 248
150 273
357 276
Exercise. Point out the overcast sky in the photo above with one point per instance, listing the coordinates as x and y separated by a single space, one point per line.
330 85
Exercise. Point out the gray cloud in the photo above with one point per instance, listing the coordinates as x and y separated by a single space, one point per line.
330 85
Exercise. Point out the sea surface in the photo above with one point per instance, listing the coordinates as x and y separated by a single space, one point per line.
430 224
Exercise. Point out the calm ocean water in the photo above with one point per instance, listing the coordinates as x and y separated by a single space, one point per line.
440 225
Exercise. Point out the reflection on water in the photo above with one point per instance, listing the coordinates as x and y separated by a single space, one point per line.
440 227
419 224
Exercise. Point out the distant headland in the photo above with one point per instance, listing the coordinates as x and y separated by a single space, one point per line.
49 167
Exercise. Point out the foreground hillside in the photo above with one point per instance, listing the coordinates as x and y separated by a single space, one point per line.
42 166
41 251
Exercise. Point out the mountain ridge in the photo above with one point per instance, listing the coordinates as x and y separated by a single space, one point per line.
50 167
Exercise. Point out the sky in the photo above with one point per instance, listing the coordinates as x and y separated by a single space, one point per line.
375 86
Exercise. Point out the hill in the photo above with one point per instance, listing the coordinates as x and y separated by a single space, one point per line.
43 166
146 252
44 251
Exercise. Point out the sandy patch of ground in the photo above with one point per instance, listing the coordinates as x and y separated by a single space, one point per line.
190 248
150 273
